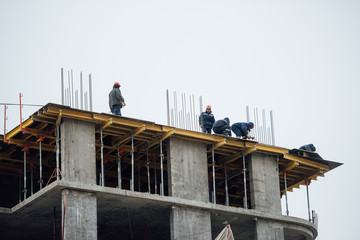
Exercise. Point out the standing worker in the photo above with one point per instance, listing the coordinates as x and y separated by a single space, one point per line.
222 127
242 129
116 100
206 120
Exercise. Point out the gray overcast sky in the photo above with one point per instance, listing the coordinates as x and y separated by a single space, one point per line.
299 58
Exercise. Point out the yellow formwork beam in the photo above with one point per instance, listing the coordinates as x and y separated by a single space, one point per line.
306 162
17 130
298 184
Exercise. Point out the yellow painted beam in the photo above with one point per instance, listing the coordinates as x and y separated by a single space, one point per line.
306 162
137 132
291 166
297 185
17 130
20 143
107 123
165 136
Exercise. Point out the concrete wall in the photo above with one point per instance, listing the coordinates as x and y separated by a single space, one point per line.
78 159
267 230
79 215
188 179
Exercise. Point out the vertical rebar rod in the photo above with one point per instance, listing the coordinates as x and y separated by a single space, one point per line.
72 89
161 169
62 86
286 199
132 163
245 190
40 163
69 98
86 100
175 109
191 116
186 114
76 99
195 124
201 103
90 92
102 157
264 124
257 123
148 169
81 92
119 169
247 114
57 150
308 197
213 174
25 190
272 128
168 107
155 176
226 186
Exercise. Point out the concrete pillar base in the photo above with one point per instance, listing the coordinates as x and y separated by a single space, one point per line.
266 230
79 215
190 224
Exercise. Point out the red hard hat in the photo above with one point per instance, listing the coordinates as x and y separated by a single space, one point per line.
117 84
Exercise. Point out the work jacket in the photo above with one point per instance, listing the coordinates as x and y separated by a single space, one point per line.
206 119
115 98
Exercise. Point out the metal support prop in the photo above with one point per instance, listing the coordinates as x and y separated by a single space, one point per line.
25 190
148 169
139 184
286 199
213 175
162 170
226 187
40 163
155 176
307 181
245 190
32 180
20 190
102 157
57 151
132 163
119 169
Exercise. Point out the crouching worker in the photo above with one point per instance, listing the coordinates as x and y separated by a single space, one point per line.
308 147
206 120
116 100
222 127
242 129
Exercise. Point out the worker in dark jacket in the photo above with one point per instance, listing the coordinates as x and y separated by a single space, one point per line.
308 147
116 100
242 129
206 120
222 127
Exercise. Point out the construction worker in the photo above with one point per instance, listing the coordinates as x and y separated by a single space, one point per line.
116 100
222 127
206 120
308 147
242 129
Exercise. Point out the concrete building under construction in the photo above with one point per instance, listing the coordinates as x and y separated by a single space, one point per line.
67 173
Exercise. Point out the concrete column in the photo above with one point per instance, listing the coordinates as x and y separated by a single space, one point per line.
188 179
79 215
265 194
78 164
78 159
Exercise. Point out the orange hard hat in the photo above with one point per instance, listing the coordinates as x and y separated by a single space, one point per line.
117 84
208 106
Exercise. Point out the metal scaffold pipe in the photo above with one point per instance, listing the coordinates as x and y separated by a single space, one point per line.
132 163
226 186
213 174
162 170
25 190
57 150
286 199
102 157
245 190
148 169
40 163
119 169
